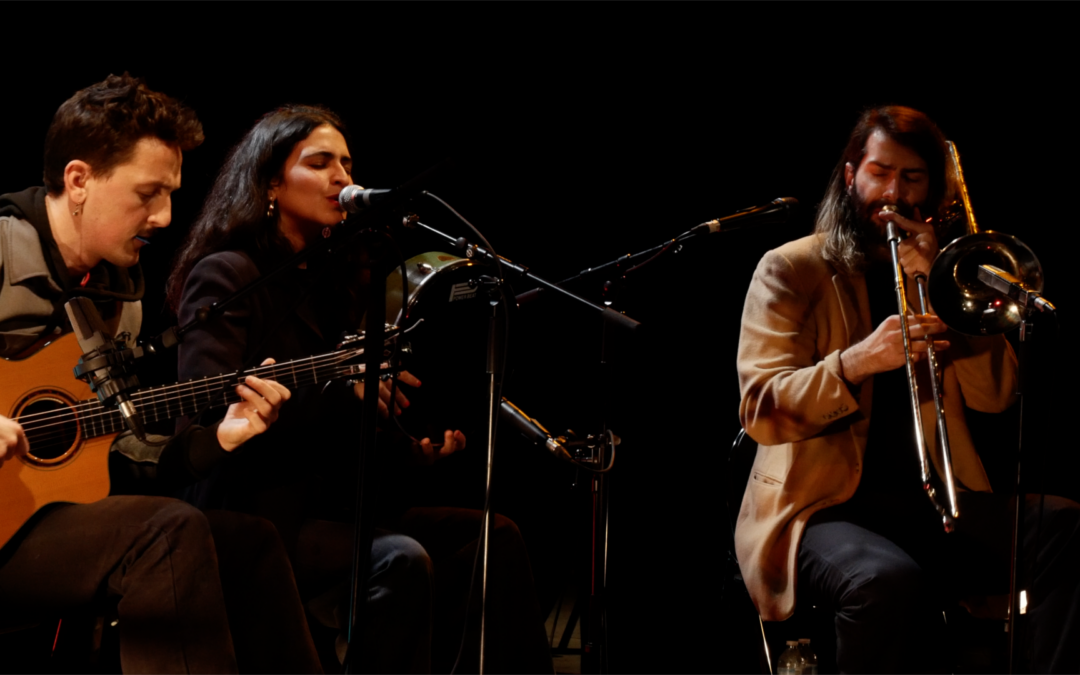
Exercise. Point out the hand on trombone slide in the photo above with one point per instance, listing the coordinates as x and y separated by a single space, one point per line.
883 350
919 249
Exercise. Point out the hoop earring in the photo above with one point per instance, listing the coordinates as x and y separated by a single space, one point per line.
270 209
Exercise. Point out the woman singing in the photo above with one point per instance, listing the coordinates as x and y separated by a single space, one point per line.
277 194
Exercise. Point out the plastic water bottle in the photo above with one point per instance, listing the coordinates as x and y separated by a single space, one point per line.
790 662
809 658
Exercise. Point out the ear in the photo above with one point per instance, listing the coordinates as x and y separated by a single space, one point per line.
77 175
849 174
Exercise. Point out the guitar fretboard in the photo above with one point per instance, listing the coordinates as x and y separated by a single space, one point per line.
192 397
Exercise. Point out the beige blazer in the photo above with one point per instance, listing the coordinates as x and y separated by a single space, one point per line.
811 428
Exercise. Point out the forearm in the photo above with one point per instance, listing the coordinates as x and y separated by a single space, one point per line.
796 404
790 390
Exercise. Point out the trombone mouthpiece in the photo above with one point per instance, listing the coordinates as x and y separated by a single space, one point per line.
892 232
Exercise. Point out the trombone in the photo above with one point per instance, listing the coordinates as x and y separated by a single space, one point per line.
966 304
949 511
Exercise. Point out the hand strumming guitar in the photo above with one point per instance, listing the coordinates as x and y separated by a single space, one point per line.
12 440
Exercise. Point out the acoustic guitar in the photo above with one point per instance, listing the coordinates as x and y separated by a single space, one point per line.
70 432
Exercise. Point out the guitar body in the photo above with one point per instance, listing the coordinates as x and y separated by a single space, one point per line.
63 465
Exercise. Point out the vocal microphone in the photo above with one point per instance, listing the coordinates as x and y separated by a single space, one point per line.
355 198
533 430
776 211
102 362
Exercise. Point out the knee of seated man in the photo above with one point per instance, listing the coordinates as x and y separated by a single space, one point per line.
172 515
401 557
1053 530
1059 514
888 583
506 532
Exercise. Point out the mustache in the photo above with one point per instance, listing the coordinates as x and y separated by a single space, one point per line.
904 209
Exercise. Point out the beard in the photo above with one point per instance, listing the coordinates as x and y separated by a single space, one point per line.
859 214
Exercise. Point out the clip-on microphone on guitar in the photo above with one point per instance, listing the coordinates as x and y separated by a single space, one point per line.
105 365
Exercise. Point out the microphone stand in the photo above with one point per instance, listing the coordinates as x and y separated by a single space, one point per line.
778 210
618 263
364 525
594 638
472 251
1015 571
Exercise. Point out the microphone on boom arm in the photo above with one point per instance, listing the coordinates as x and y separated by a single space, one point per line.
533 430
776 211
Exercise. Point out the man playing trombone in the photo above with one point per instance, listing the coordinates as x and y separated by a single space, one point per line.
833 513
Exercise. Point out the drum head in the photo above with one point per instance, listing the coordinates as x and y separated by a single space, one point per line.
448 311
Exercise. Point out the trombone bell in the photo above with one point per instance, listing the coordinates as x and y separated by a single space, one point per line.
966 304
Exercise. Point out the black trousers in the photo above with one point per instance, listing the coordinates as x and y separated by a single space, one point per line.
153 561
887 575
423 602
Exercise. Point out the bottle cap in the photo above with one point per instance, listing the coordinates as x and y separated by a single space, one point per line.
792 643
804 641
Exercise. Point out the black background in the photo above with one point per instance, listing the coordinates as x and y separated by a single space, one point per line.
580 133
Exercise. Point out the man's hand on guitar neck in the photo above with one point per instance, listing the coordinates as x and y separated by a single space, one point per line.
254 415
12 440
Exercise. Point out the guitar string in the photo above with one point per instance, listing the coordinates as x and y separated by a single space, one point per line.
70 414
67 416
214 383
312 367
155 392
113 415
168 389
103 417
339 355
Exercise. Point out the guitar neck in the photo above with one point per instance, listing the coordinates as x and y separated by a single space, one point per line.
190 398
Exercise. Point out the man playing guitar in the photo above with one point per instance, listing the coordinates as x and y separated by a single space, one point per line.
112 160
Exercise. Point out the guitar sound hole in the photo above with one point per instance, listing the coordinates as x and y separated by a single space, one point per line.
49 435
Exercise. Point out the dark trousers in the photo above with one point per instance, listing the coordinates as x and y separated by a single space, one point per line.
515 641
421 605
887 577
152 561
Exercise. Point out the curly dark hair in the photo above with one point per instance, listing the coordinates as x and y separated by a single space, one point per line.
102 123
836 214
234 215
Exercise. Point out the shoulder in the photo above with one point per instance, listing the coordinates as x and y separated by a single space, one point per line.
800 260
18 238
224 266
236 260
214 277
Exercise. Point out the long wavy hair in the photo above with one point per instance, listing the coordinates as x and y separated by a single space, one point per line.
837 217
234 215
